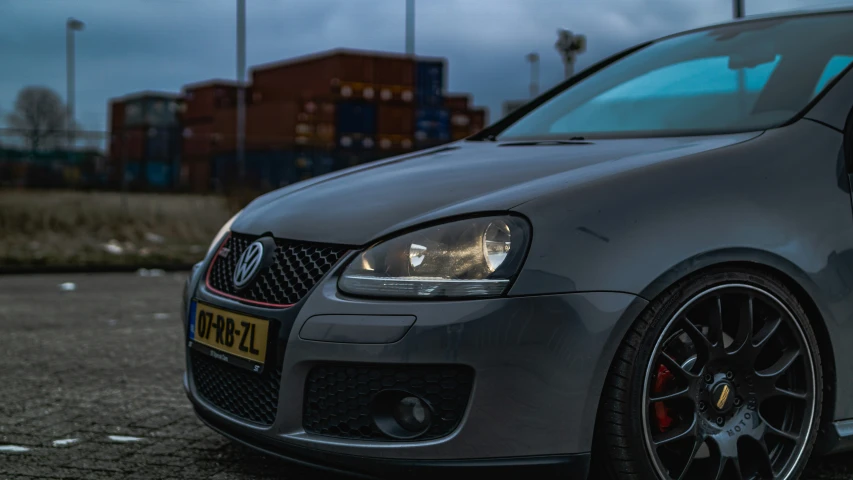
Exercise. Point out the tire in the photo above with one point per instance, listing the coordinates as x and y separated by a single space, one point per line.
629 424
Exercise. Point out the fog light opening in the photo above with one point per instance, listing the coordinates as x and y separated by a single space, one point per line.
400 414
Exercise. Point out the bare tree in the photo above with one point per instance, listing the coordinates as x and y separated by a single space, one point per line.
39 117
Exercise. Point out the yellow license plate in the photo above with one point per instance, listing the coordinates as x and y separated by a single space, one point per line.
229 332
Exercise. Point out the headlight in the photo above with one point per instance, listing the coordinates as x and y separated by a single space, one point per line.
222 232
467 258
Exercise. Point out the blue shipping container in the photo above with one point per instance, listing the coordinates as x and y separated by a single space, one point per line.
429 84
131 171
159 174
355 117
432 124
162 143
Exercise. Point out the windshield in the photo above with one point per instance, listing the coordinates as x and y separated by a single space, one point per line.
748 76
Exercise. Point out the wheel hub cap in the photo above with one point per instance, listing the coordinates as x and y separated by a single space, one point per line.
722 396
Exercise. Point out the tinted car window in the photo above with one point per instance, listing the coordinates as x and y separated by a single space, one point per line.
835 66
738 77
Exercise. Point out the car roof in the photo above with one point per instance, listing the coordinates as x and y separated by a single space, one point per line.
834 9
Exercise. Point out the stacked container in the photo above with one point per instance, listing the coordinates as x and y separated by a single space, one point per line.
145 145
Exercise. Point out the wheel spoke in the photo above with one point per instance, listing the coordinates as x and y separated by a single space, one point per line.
674 366
721 468
684 393
771 430
781 366
715 322
743 337
676 435
767 331
696 446
699 339
785 393
764 461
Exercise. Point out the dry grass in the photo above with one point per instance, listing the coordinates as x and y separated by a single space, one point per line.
94 229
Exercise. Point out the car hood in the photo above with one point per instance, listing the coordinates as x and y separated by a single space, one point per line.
358 205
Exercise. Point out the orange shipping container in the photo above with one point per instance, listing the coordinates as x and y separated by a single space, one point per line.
202 100
271 125
128 143
340 73
116 116
197 139
459 102
395 119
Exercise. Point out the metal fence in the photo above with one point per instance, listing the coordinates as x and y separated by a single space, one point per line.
171 160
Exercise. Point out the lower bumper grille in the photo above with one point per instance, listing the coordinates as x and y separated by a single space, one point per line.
338 397
252 397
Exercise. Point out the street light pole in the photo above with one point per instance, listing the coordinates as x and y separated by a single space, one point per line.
71 25
241 90
738 8
410 27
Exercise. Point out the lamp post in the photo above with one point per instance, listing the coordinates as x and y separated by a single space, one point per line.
71 25
738 8
410 27
241 90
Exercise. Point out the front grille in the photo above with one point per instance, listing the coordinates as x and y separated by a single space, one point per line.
248 395
337 397
296 268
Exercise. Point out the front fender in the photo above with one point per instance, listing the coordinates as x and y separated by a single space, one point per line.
778 200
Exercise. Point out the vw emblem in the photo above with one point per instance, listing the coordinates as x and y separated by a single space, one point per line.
248 263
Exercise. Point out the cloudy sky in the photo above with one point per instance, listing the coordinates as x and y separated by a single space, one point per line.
131 45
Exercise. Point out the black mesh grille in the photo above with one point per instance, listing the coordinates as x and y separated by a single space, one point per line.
337 397
296 269
248 395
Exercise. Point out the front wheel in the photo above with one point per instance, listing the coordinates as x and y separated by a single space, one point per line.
720 378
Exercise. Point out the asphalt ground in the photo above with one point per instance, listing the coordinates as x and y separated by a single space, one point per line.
90 387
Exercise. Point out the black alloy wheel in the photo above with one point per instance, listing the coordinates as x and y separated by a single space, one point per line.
720 379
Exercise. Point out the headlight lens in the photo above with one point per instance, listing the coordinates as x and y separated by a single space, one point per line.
476 257
222 232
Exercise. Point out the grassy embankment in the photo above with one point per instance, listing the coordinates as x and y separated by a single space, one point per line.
78 229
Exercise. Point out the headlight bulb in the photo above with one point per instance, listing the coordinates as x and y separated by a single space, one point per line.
417 254
496 244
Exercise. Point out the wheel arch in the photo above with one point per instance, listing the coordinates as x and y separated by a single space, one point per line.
789 274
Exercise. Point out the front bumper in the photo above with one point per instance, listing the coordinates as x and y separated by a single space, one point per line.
539 366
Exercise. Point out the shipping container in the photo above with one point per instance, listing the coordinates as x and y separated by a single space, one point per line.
128 143
457 102
354 117
117 121
432 127
394 70
395 119
198 170
159 174
197 139
395 143
271 125
342 74
151 109
432 123
429 83
162 144
202 100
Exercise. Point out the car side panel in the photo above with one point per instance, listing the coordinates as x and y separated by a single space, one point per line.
781 199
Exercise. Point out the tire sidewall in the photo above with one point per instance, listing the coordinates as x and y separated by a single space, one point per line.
652 325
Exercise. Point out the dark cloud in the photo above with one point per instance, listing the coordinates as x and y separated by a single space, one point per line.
132 45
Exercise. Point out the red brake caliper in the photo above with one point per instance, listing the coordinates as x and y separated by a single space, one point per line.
663 378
